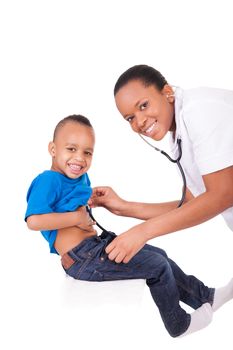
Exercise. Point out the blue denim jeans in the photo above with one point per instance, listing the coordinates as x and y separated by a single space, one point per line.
167 282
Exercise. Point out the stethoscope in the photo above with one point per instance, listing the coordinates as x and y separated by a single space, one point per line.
177 161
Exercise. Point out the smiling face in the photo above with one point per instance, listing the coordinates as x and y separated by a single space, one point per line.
149 111
72 149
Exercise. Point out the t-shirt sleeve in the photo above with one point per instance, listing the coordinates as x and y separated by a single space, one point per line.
42 195
210 128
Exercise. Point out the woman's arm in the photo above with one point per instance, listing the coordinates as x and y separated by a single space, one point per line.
105 196
146 211
217 198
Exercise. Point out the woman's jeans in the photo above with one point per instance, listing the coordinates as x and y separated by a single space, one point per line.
167 282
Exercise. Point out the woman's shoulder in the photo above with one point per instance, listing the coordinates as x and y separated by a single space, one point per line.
205 106
207 94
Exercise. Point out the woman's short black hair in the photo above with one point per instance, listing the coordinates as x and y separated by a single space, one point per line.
146 74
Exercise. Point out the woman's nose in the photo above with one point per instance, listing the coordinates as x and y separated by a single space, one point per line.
141 120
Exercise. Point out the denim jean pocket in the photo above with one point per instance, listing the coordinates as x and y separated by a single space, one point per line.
74 269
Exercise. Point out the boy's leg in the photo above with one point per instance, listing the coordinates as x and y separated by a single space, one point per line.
92 264
192 291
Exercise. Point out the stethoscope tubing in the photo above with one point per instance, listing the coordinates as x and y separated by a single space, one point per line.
177 161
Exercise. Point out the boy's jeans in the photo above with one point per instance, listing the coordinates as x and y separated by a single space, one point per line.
167 282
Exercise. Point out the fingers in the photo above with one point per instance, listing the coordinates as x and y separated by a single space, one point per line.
114 253
99 191
98 194
124 247
120 258
110 247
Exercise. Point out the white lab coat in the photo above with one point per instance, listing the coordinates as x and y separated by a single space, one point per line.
204 122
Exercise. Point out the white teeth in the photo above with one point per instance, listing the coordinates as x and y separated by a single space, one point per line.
150 128
76 167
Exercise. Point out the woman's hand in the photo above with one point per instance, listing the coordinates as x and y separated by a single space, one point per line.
105 197
125 246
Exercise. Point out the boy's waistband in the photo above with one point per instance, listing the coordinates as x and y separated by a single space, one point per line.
67 261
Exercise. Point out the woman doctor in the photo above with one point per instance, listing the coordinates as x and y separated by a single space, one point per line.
202 119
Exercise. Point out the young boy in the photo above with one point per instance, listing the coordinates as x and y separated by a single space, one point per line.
57 201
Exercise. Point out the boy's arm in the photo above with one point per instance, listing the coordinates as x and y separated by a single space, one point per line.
56 221
52 221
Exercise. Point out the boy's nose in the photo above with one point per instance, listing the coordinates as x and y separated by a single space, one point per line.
79 157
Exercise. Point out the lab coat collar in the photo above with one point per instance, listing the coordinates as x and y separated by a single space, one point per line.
178 109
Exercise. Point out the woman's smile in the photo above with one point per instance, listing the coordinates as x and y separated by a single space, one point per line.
149 131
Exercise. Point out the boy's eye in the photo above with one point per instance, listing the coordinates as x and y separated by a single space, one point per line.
88 153
71 149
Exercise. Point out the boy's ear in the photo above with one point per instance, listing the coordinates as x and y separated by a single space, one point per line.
52 149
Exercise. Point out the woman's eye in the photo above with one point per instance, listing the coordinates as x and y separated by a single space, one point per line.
143 106
129 119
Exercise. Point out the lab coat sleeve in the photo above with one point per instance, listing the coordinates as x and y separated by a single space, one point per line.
210 128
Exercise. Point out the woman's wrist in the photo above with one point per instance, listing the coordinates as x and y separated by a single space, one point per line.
121 207
125 209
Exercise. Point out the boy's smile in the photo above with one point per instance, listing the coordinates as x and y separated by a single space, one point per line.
75 168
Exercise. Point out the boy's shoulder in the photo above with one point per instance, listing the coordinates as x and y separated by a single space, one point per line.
47 176
51 178
47 181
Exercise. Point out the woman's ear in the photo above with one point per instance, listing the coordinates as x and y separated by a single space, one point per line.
52 149
168 92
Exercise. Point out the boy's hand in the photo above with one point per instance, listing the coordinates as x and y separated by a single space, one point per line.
125 246
85 223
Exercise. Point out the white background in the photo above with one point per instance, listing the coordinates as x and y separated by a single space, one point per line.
63 57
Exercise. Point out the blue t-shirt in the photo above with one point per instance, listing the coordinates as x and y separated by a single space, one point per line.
52 192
